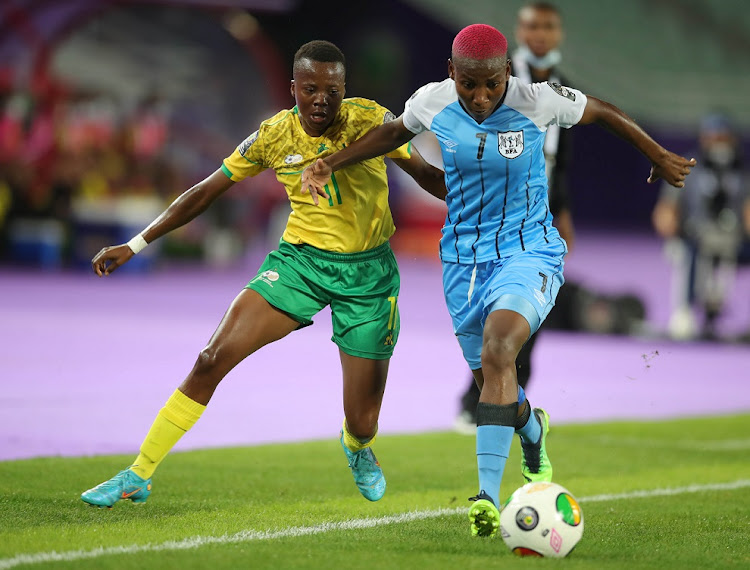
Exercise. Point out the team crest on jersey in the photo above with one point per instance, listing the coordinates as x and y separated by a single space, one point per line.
292 158
510 143
247 143
560 90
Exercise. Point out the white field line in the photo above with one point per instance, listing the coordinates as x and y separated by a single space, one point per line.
717 445
252 535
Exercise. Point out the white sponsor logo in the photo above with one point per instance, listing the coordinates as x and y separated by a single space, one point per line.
450 146
539 296
292 158
510 143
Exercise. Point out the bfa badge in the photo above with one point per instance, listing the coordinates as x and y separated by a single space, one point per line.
510 143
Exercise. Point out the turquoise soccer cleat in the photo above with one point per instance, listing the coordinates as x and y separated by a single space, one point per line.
124 485
484 516
367 472
535 465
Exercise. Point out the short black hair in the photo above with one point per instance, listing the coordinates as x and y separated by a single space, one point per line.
321 51
543 7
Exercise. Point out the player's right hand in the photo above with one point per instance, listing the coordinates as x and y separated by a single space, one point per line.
314 179
110 258
672 168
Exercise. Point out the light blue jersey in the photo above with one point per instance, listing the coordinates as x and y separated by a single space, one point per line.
495 171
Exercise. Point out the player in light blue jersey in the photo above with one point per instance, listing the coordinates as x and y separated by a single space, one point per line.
502 257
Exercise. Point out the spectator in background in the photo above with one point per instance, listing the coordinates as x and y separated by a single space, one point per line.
706 226
149 127
539 33
34 200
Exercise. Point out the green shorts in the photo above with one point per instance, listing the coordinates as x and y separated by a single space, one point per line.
361 288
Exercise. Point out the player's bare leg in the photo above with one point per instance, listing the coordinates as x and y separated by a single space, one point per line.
497 412
364 385
508 328
505 332
249 323
503 410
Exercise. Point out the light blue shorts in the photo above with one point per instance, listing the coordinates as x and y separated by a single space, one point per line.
526 282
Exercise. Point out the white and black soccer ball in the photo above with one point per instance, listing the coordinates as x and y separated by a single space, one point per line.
541 519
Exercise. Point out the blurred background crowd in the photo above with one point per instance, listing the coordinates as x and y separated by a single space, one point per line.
110 109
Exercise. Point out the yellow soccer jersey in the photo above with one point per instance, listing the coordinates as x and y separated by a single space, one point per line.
357 217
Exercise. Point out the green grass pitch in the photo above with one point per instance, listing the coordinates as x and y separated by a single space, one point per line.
671 494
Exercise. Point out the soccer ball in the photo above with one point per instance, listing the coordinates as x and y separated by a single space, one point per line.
541 519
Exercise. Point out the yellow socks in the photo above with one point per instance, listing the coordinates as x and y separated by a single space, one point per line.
177 416
355 444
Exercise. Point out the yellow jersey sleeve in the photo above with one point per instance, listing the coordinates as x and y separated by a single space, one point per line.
246 160
404 151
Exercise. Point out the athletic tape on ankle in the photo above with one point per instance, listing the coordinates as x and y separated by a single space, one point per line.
137 243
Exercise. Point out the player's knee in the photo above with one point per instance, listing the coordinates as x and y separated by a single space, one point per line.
208 364
499 352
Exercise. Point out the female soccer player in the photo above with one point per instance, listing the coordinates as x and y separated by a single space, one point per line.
502 257
337 254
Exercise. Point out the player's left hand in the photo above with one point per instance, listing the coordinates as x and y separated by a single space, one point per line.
314 179
672 168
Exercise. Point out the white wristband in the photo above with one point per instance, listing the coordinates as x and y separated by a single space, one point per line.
137 243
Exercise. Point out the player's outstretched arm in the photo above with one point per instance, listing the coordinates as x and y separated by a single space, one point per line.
377 142
425 174
187 206
671 167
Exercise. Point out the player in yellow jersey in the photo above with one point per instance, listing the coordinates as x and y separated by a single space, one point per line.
334 252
